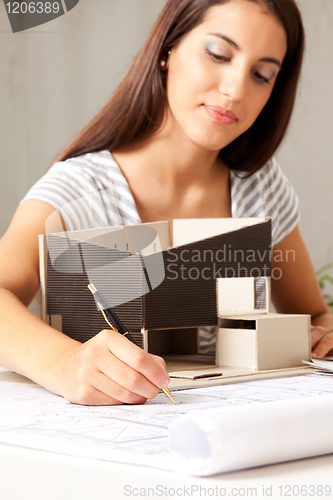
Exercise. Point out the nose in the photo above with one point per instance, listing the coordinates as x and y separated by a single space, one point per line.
233 82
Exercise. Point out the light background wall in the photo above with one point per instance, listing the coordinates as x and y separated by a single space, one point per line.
55 77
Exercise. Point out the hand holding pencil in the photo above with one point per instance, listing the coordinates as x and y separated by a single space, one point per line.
116 325
108 369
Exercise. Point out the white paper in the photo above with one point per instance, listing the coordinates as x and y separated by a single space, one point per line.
35 418
243 437
321 364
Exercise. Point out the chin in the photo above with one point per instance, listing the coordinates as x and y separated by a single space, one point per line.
210 140
212 145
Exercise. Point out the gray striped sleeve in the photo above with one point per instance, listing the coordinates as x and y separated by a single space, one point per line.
280 201
88 191
266 193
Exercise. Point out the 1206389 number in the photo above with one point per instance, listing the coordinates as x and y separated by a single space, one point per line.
315 491
33 7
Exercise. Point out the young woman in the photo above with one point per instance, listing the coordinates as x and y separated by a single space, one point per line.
190 132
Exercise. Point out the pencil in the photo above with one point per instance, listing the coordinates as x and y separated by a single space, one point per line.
115 324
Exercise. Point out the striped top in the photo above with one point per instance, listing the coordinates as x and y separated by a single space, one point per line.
91 191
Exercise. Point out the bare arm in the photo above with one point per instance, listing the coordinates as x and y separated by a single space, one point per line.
108 369
298 292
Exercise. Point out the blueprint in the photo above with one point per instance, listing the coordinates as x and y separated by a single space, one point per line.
35 418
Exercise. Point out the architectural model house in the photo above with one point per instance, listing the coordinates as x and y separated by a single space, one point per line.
217 273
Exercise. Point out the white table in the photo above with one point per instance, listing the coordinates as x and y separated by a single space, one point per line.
35 475
29 474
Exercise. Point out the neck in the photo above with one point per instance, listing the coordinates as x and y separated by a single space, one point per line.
172 160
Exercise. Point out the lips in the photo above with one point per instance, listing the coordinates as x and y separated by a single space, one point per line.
220 115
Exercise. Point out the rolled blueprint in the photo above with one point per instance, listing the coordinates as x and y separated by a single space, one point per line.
245 436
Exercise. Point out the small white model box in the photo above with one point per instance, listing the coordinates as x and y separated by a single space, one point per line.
263 341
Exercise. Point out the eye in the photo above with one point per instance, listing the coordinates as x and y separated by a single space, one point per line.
217 57
260 78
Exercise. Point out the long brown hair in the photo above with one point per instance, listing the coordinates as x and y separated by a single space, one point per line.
137 108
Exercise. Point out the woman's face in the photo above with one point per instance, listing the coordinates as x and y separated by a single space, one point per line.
222 73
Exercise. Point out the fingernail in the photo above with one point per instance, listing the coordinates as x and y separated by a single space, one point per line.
314 355
165 382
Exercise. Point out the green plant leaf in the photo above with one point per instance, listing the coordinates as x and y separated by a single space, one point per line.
324 278
324 268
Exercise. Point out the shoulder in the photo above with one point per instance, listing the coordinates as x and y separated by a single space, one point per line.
276 190
91 166
74 177
268 193
271 175
85 190
88 191
279 200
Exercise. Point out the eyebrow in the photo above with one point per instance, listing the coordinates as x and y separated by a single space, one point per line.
271 60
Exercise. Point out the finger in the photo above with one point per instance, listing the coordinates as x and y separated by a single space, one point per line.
317 333
138 359
111 389
127 378
323 346
159 360
90 396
